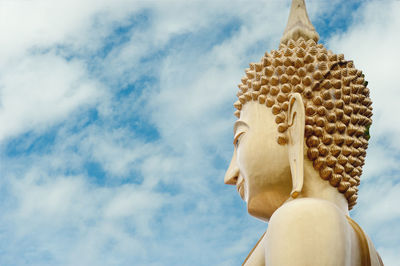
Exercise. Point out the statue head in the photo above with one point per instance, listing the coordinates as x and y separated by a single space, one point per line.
301 108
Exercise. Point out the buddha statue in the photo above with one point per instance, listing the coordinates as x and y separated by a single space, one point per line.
299 146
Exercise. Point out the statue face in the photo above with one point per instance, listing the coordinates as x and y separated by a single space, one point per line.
260 166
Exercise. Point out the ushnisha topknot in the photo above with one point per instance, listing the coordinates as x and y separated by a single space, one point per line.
299 24
336 101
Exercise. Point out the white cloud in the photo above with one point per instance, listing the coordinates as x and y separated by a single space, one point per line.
40 37
40 90
43 23
165 197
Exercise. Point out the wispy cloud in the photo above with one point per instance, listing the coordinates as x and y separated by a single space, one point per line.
116 127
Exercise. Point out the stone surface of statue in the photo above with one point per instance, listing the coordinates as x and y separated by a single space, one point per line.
300 144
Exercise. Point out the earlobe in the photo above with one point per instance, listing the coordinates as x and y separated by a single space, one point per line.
296 123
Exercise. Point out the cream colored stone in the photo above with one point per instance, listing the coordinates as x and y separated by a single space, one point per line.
299 148
299 25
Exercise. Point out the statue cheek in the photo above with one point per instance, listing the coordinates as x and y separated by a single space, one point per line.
246 159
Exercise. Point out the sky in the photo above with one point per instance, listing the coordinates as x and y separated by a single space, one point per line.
116 122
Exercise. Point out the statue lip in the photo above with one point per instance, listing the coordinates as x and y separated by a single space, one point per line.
240 188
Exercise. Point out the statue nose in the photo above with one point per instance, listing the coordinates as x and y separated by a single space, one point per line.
232 174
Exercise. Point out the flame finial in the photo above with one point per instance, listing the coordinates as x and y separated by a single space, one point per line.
299 24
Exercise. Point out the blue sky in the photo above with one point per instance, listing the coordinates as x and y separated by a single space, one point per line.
116 126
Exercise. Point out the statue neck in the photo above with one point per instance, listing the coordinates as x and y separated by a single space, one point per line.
315 187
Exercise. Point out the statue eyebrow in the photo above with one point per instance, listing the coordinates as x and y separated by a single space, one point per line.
238 124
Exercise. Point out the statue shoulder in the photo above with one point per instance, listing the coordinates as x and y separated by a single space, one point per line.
308 232
308 208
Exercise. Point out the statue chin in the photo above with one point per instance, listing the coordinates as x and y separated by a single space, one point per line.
261 208
263 203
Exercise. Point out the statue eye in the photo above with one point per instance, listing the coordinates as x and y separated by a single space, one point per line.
237 138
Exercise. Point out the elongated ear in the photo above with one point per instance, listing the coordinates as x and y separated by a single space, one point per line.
296 123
